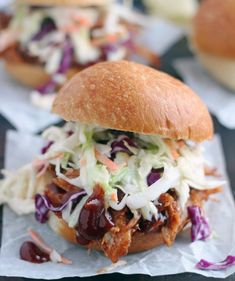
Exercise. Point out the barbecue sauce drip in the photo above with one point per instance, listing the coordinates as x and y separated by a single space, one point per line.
30 252
92 222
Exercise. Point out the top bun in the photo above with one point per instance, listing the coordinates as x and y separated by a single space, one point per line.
132 97
214 28
64 2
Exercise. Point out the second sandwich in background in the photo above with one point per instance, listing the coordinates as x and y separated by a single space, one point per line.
213 39
46 42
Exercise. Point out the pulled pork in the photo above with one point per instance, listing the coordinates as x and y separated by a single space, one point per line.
4 20
117 240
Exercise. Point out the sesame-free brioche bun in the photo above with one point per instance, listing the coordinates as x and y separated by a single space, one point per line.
31 75
141 241
132 97
212 39
83 3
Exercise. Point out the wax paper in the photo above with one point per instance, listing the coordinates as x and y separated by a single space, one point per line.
181 257
220 100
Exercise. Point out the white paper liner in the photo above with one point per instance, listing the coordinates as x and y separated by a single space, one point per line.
219 100
181 257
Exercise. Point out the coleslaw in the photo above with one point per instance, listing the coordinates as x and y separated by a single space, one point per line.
116 161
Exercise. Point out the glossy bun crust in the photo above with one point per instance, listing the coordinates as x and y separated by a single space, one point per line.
214 28
132 97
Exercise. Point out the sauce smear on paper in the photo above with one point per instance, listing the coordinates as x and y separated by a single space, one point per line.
32 253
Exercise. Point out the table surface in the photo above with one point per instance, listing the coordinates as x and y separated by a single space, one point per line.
228 139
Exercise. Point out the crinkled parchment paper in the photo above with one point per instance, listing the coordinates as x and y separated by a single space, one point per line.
181 257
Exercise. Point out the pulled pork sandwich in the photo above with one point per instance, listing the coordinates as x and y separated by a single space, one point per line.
126 173
212 39
47 42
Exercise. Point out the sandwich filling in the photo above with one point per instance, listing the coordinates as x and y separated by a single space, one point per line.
64 38
112 186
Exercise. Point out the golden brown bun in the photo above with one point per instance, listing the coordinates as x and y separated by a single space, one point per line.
214 28
222 69
32 75
64 2
140 241
132 97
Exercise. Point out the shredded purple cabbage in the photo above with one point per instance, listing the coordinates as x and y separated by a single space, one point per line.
119 145
49 87
129 44
46 147
200 229
109 48
70 133
67 57
47 26
206 265
153 176
43 205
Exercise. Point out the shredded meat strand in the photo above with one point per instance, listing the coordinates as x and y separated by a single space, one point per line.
117 241
72 173
170 206
4 20
54 194
66 186
198 196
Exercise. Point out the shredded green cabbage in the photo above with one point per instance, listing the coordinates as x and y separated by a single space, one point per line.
128 171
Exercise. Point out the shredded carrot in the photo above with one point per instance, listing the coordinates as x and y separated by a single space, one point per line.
114 197
43 170
41 166
181 143
106 161
112 38
211 171
38 162
37 239
175 154
171 144
69 28
56 156
83 162
84 21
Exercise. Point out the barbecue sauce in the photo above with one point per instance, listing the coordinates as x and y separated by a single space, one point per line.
92 222
32 253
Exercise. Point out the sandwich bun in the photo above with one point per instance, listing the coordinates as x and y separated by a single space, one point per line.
212 39
81 3
31 75
132 97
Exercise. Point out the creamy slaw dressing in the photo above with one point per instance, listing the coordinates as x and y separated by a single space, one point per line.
77 151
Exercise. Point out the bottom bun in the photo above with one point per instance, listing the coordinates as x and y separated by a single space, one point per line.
32 75
222 69
140 241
